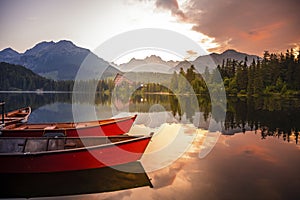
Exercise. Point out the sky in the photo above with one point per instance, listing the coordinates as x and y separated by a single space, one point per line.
216 25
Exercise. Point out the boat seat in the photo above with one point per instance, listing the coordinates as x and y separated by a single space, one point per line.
80 125
70 145
49 127
21 128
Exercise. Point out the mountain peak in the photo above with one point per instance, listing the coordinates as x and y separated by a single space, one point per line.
230 51
10 51
65 43
39 47
8 55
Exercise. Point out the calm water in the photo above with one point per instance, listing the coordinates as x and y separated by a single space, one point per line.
256 155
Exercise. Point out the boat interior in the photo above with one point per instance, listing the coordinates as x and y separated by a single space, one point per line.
55 126
43 144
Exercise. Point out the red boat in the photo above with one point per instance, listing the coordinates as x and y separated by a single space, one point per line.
35 155
105 127
16 116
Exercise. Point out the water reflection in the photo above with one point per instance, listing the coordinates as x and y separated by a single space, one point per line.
244 164
273 116
240 167
74 182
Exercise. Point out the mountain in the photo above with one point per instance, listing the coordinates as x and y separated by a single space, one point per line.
214 59
9 55
151 63
156 64
59 60
232 54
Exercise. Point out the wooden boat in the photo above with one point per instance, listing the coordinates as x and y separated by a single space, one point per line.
41 154
105 127
16 116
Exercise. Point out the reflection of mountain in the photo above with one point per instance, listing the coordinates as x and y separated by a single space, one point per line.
49 113
57 60
74 182
19 100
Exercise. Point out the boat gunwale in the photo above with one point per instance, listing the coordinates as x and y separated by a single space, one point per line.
109 122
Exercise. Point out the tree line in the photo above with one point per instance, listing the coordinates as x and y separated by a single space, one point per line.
19 78
273 74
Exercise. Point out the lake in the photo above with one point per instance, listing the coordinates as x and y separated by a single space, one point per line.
255 154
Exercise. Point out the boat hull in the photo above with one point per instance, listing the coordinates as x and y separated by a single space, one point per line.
110 127
75 159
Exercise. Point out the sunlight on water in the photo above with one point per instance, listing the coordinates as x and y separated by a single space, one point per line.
170 142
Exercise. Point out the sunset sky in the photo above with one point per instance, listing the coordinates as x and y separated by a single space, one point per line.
247 26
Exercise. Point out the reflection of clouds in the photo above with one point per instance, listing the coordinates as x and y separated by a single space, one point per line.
198 143
226 173
155 119
266 188
165 177
167 145
256 151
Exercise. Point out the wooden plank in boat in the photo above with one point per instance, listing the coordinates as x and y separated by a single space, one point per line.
50 128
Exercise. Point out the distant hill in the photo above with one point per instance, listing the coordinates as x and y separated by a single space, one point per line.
156 64
151 63
58 60
16 77
214 59
148 77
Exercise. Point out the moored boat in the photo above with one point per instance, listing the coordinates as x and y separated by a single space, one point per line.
16 116
41 154
107 127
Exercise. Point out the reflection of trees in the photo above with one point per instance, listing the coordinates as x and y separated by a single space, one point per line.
179 105
142 102
286 136
18 100
272 116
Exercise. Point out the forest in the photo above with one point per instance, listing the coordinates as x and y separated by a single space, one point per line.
274 74
19 78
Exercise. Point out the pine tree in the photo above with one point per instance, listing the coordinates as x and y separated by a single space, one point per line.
258 82
174 82
250 85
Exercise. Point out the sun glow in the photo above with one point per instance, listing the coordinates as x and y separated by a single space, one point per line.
296 51
144 14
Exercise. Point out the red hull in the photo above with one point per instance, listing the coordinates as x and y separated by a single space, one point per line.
109 127
75 159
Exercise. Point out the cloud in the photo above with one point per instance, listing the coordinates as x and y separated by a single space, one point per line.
250 26
171 5
191 54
